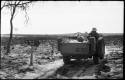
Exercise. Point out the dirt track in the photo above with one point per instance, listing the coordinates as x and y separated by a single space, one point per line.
57 69
84 69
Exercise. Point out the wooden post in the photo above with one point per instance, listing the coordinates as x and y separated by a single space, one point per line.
34 44
33 48
31 58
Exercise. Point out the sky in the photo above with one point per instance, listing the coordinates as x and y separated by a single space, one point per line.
58 17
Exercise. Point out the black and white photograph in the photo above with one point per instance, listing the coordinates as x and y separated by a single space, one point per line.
61 39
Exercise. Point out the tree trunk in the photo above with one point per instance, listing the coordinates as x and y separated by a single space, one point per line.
11 31
10 38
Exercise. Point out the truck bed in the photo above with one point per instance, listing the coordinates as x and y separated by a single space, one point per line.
74 48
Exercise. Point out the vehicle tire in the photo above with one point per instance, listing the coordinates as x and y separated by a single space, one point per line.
101 48
95 59
78 59
66 60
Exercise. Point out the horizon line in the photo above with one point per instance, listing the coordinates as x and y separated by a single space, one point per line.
57 33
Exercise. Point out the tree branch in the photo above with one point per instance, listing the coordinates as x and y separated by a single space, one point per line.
3 6
25 3
19 4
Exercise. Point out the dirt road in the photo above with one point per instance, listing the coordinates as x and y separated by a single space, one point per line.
77 69
84 69
73 70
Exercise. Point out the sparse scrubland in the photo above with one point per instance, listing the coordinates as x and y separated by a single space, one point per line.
47 62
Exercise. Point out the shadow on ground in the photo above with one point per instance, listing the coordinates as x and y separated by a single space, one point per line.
76 68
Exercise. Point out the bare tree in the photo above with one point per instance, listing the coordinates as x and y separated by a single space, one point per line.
13 6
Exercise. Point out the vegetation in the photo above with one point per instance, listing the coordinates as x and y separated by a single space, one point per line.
17 64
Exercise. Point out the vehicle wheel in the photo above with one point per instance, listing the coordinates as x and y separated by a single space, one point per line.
101 48
66 60
95 59
78 59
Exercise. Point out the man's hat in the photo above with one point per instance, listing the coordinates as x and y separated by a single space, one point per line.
94 29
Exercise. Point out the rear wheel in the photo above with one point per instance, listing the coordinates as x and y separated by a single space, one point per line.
96 59
66 60
78 59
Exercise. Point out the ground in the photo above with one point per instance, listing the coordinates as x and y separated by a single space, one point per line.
49 65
